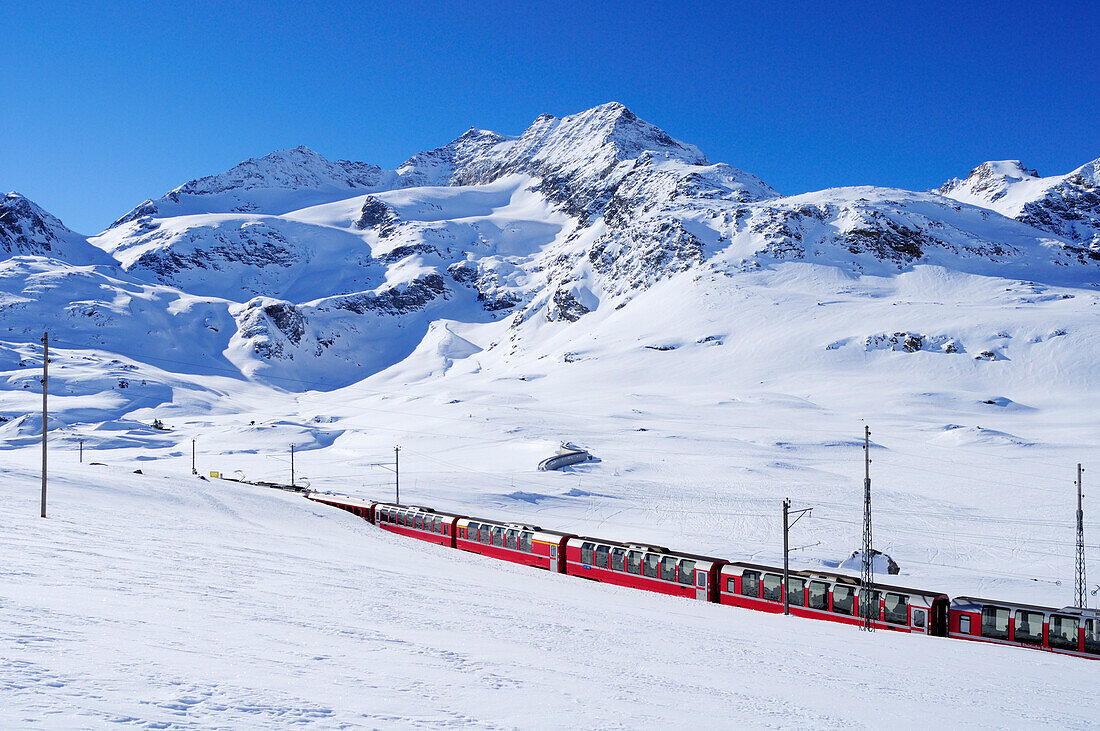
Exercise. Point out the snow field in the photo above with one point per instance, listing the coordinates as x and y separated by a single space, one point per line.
170 603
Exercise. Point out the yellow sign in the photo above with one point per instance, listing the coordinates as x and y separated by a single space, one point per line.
215 475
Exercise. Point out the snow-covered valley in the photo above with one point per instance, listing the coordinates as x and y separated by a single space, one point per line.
170 603
716 345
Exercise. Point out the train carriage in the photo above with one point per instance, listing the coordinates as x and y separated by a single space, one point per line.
1069 630
356 506
425 524
516 542
833 597
652 568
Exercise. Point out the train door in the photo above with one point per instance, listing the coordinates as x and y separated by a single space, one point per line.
702 586
938 623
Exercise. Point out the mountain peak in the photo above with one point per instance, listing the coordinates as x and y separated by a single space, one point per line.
1011 170
297 168
608 131
989 181
26 229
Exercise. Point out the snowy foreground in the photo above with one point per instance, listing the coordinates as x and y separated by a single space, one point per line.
173 602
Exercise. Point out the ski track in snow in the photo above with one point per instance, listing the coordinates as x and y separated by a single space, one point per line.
178 603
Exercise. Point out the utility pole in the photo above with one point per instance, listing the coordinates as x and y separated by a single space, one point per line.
1080 586
193 470
867 577
81 451
397 474
45 383
786 549
292 465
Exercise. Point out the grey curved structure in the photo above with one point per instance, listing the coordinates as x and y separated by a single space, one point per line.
568 454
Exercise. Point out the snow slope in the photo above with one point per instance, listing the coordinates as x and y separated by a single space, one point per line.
173 602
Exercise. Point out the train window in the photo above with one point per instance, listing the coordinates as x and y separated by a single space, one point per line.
553 551
587 549
1063 632
964 624
897 609
773 588
437 525
525 541
498 536
601 556
668 568
651 566
419 521
1092 636
819 595
796 592
844 600
485 533
634 562
618 559
731 585
750 584
869 604
702 583
512 538
471 531
1029 627
918 618
687 568
995 623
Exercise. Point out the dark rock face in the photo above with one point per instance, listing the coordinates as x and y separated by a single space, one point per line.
376 214
275 328
1070 210
490 294
567 307
412 297
256 246
27 229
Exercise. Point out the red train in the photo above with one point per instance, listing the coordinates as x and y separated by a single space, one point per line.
814 594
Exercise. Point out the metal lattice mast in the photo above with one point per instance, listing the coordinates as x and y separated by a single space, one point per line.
1080 597
867 578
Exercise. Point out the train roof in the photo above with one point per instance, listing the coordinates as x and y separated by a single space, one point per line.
415 508
838 578
960 601
343 499
515 524
649 549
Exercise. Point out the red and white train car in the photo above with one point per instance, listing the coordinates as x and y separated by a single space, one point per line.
1070 630
833 597
425 524
363 508
652 568
524 544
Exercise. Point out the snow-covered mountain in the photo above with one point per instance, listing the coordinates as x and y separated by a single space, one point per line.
27 230
338 269
278 182
1065 205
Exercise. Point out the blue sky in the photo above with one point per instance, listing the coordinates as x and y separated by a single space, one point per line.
105 105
